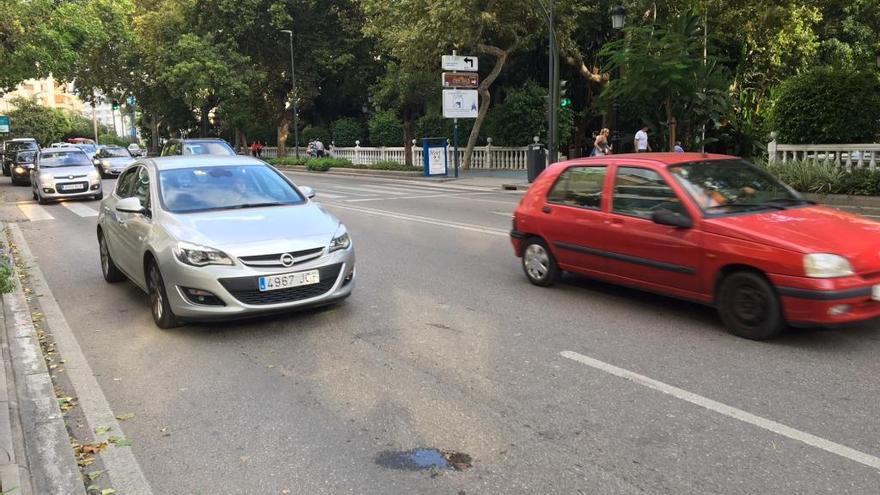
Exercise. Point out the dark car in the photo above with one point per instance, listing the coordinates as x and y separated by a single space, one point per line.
21 170
13 146
201 146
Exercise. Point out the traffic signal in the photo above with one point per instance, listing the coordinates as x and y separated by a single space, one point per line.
115 105
563 100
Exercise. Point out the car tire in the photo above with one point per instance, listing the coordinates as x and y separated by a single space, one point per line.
34 193
538 263
111 272
159 307
42 200
98 197
749 307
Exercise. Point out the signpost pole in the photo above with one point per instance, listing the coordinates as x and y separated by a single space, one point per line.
455 144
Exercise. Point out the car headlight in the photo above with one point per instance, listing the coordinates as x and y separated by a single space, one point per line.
195 255
19 169
823 265
45 177
340 240
94 175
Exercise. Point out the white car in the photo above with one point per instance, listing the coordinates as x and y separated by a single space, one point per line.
64 173
136 150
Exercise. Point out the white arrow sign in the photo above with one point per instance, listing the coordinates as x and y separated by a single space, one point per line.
460 63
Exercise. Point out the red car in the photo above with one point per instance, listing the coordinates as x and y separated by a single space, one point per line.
707 228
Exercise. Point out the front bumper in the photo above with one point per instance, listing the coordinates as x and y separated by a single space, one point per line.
826 302
21 176
56 189
236 287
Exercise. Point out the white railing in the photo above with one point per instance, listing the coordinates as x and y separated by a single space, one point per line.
846 155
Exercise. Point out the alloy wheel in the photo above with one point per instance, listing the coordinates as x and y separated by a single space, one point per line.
537 261
156 302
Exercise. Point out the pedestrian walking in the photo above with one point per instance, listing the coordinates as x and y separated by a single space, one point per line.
600 145
678 148
640 143
254 148
259 149
319 148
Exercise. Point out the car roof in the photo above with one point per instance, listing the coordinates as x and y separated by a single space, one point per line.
62 149
191 161
664 159
20 140
199 140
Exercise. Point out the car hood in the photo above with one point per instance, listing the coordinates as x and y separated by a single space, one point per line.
66 172
811 229
118 161
256 231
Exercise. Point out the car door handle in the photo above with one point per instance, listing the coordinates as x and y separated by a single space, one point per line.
546 209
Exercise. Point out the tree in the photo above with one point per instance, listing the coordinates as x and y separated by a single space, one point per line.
407 90
522 115
386 129
31 119
495 29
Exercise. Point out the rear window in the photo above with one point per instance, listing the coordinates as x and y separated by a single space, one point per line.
207 148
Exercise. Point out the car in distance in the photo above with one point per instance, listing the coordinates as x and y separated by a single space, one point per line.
707 228
61 173
136 151
215 238
111 160
13 146
197 146
88 147
21 170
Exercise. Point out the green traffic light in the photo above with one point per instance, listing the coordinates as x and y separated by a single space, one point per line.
565 102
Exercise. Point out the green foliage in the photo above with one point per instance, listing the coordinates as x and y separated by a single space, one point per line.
112 139
318 165
325 164
289 161
7 281
386 129
522 116
828 105
312 133
30 119
390 165
348 130
432 125
821 178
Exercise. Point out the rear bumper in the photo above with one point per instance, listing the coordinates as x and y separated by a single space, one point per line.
826 302
516 239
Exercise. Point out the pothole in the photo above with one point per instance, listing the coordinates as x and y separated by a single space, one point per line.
423 459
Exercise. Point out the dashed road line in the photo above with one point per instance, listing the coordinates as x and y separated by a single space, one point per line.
729 411
35 212
431 221
80 209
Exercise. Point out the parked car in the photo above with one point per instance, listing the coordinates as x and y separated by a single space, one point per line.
64 173
11 147
111 160
178 229
707 228
200 146
135 150
24 163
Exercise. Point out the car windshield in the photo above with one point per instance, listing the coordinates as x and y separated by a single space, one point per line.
207 148
72 158
727 186
25 157
88 148
114 152
21 145
188 190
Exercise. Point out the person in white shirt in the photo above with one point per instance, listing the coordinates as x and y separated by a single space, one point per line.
319 148
640 143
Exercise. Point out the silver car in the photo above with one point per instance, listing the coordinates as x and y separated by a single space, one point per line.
111 160
220 237
60 173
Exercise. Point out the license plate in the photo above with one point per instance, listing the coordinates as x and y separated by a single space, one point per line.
288 280
73 187
875 293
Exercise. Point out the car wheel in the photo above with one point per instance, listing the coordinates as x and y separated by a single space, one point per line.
539 264
34 193
162 314
42 200
749 307
98 197
111 273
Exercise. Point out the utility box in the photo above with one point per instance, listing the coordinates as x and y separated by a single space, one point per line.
536 161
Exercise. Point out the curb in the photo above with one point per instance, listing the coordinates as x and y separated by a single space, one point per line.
356 172
53 467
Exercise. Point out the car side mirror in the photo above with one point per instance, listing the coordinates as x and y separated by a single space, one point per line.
671 218
308 191
130 205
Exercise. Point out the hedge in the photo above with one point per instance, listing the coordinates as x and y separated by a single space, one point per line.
819 178
325 164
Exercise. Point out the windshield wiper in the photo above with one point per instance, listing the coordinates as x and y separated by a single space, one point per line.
747 206
256 205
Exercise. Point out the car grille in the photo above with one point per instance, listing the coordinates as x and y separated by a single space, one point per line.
60 188
246 289
274 260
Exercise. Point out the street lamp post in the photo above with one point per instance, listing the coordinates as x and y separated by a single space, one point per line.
618 21
552 82
293 83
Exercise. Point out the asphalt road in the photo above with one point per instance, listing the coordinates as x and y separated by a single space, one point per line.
445 345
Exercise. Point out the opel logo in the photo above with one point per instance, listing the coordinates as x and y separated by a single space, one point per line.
287 259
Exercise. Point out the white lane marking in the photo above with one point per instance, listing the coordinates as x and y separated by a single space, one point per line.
124 471
335 190
322 194
35 212
80 209
366 189
732 412
431 221
507 214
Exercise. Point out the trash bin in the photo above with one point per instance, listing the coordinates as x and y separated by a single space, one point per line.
536 161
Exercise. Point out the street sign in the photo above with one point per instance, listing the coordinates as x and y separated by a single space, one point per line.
4 123
460 103
458 62
460 80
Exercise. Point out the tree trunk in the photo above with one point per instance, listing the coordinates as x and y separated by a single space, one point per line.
154 133
408 132
203 127
500 59
670 120
283 132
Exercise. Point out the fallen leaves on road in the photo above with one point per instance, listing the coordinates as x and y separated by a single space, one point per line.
66 403
119 441
93 475
85 453
125 417
102 429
